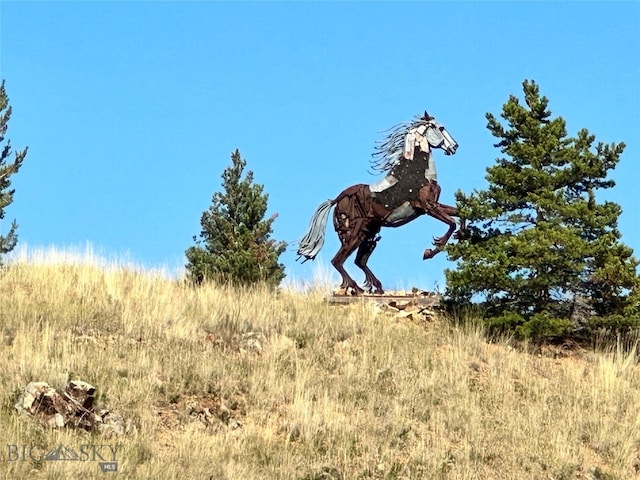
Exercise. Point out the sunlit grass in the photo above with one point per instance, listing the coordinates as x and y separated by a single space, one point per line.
218 382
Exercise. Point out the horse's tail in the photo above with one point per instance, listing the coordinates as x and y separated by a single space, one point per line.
313 240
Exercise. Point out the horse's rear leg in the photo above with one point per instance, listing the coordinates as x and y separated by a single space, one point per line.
362 257
341 256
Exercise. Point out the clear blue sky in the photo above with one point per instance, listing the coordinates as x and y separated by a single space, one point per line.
131 109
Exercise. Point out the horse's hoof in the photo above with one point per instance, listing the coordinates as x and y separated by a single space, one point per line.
429 253
355 291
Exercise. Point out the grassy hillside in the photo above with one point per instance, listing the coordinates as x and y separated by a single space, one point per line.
226 384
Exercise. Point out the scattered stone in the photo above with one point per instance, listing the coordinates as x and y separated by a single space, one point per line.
252 342
390 300
209 410
400 305
248 342
113 425
415 313
87 338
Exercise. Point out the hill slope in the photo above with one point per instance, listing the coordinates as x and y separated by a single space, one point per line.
220 383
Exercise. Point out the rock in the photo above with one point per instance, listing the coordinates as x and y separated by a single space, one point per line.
251 342
390 308
56 421
32 392
74 407
404 315
81 392
111 424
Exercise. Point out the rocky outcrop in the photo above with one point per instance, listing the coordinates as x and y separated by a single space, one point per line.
72 407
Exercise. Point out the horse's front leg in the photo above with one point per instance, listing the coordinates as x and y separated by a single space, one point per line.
428 197
445 214
453 212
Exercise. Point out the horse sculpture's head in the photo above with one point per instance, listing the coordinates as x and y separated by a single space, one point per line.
423 133
437 136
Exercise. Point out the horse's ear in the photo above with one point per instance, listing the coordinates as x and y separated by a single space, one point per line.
426 116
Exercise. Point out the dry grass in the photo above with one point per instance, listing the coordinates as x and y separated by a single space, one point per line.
226 384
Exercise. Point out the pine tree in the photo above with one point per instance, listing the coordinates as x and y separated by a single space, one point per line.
7 168
235 244
539 242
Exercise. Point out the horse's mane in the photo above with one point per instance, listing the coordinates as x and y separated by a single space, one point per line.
388 150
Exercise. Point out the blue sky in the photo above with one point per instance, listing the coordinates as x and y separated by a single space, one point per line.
131 110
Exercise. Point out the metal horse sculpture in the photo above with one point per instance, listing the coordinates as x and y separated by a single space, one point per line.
409 190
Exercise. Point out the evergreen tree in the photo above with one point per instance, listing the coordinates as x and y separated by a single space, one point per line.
539 243
235 244
7 168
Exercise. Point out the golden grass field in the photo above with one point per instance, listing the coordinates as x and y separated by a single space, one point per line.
217 383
